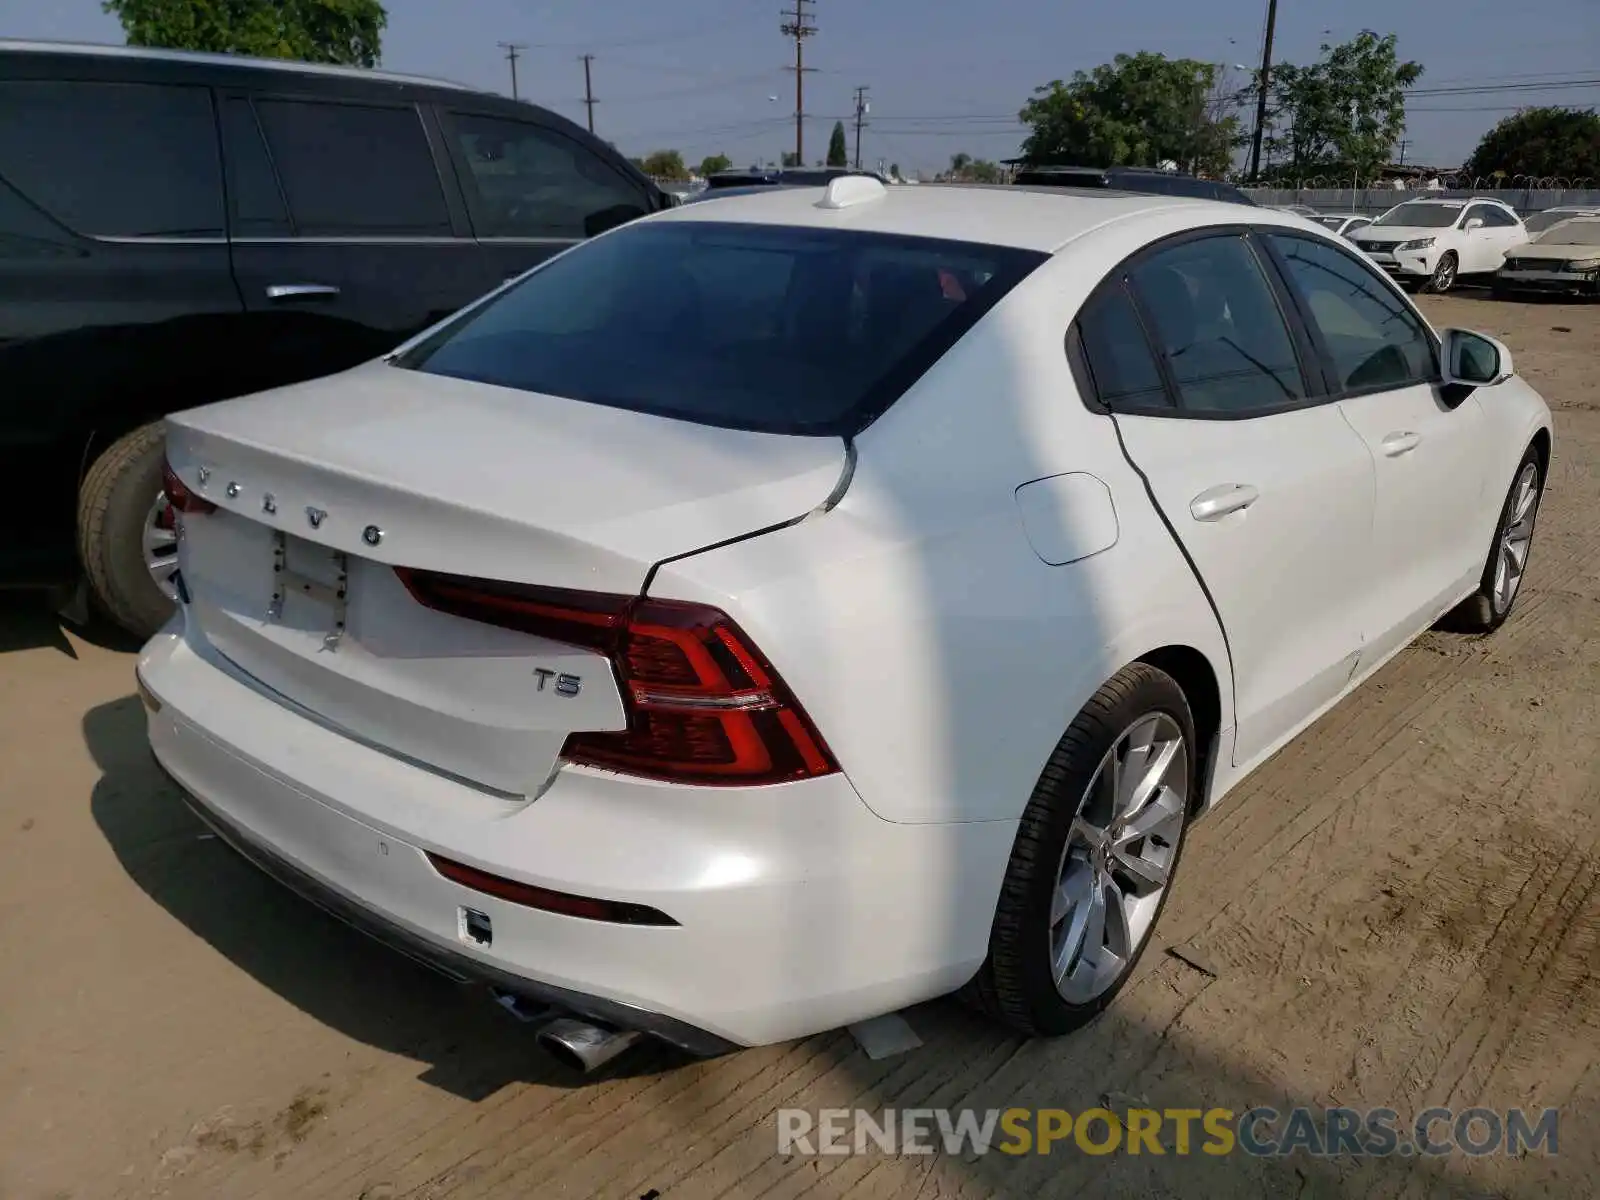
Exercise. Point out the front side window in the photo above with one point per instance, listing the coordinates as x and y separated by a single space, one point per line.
114 159
1218 325
772 328
355 169
1495 217
1373 338
533 182
1541 221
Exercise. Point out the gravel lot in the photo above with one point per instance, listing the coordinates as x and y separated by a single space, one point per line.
1401 910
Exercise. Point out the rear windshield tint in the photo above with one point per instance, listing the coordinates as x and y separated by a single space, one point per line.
764 327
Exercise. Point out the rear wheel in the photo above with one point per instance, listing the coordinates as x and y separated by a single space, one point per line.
1444 274
126 536
1094 857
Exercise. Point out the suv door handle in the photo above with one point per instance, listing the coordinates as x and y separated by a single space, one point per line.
300 291
1215 503
1397 444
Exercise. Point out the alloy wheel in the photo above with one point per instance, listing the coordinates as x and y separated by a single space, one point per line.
1119 856
1511 555
1444 274
161 546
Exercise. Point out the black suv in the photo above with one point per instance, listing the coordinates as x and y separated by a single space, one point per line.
1130 179
181 228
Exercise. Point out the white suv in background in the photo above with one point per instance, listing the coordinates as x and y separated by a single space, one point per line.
1434 242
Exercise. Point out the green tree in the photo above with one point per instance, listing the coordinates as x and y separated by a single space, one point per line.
1344 113
324 31
1541 141
959 164
790 159
1139 109
712 163
664 164
838 148
894 170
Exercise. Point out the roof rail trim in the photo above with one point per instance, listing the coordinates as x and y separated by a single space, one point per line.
292 66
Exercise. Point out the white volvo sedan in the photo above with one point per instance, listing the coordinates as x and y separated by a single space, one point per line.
777 612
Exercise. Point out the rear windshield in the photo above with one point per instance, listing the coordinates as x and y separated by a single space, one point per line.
1541 221
1412 215
765 327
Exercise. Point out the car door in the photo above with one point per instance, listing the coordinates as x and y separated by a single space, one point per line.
1480 245
532 190
116 300
1429 449
342 233
1506 232
1265 486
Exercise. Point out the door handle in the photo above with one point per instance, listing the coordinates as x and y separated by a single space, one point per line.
300 291
1397 444
1215 503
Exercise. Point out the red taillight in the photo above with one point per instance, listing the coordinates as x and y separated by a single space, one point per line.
703 704
179 495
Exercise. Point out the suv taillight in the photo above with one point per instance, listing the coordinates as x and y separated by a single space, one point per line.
703 704
179 495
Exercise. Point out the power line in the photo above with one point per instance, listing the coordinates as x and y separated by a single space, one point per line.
588 90
800 26
862 107
513 52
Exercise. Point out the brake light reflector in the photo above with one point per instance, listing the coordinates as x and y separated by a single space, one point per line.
179 495
619 912
703 704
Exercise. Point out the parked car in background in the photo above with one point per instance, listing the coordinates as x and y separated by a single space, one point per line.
1565 259
1344 224
181 228
669 638
782 176
1540 221
1432 243
1130 179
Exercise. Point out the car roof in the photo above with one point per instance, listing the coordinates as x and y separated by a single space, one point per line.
241 61
1023 217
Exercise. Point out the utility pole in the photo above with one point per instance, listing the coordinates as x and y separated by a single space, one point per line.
862 109
1404 142
1261 100
799 26
513 51
588 90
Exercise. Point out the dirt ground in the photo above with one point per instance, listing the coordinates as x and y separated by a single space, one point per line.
1401 910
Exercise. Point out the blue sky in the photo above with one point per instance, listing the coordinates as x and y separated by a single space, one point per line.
945 77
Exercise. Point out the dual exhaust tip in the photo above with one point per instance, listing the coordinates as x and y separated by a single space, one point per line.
582 1045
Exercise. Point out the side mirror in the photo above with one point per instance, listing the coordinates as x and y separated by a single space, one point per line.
1474 360
1474 223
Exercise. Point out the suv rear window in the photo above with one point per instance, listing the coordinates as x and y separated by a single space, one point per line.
765 327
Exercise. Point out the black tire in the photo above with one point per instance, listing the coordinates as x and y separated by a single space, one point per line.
116 496
1444 274
1484 611
1016 985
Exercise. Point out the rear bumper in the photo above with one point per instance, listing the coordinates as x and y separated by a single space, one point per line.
799 909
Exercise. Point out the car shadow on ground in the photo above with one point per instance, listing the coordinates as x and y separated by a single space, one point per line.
29 620
325 968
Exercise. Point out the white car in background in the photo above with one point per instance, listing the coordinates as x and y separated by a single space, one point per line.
1564 260
1343 224
1537 223
776 612
1433 243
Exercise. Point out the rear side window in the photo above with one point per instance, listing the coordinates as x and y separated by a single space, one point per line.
1219 327
355 169
1372 337
533 182
1117 353
773 328
255 202
114 159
